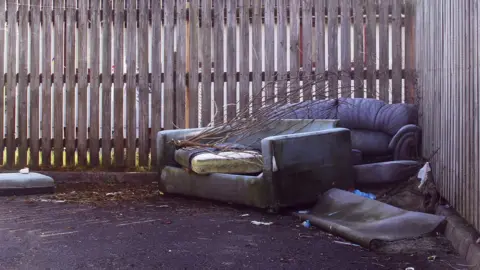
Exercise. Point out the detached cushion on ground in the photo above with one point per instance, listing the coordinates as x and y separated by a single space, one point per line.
234 162
25 183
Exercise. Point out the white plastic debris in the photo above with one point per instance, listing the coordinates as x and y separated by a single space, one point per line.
245 215
478 241
25 171
422 174
113 193
254 222
409 268
303 212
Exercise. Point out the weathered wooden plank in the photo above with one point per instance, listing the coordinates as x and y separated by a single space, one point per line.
118 82
22 81
231 59
320 87
294 96
333 90
11 83
475 111
384 50
156 76
70 72
107 84
143 59
244 83
46 83
169 94
410 52
94 83
346 89
82 82
206 59
192 68
371 49
307 43
58 85
218 61
269 51
358 55
397 52
180 65
2 82
131 85
282 51
256 56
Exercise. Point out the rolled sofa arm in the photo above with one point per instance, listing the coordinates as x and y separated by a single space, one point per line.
406 144
165 150
299 167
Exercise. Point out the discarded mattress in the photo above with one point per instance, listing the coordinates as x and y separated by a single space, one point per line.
206 161
25 183
368 222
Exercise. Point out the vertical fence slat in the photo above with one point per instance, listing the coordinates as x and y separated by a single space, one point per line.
384 50
46 83
180 64
34 84
397 52
118 82
475 111
131 85
371 49
269 41
22 82
82 82
156 76
257 55
107 84
206 92
58 85
410 52
169 108
231 59
346 47
193 64
294 50
282 50
11 82
70 72
218 60
358 56
333 90
320 38
143 106
307 41
94 134
2 82
244 84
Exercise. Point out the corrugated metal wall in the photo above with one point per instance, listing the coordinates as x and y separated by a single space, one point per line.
447 65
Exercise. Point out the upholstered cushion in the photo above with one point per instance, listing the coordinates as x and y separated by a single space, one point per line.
207 162
370 142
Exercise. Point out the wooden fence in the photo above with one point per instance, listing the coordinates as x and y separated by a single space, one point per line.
448 69
91 82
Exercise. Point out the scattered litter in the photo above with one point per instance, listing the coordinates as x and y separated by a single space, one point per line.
113 193
366 195
254 222
53 201
303 212
169 250
422 174
346 243
307 224
331 214
163 206
478 241
432 258
409 268
245 215
229 231
161 193
25 171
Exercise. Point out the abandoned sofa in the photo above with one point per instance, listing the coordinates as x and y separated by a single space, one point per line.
379 131
299 160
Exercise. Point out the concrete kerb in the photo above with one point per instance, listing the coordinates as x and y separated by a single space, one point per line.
463 236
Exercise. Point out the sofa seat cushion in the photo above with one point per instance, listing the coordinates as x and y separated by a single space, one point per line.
208 161
370 142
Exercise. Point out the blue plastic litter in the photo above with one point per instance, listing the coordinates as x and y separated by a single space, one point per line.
366 195
306 224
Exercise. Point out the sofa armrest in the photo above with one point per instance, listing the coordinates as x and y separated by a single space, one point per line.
406 143
316 160
165 150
